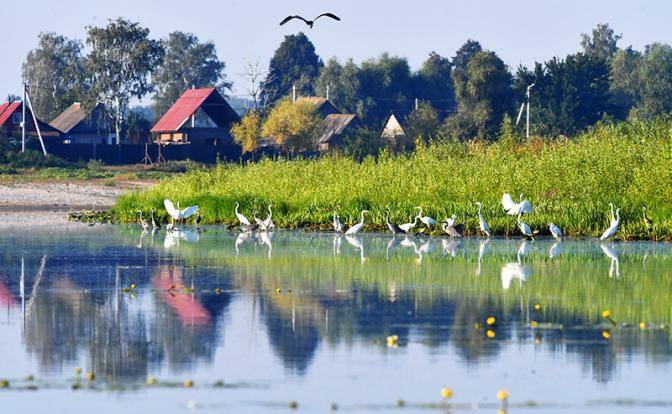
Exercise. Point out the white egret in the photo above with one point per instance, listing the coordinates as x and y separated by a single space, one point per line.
178 214
357 227
338 226
426 220
268 223
155 224
512 208
524 228
143 222
482 224
407 227
613 226
241 218
555 231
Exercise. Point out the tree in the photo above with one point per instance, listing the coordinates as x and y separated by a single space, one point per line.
465 53
423 123
343 84
484 95
292 124
187 63
55 72
247 131
294 63
121 58
433 83
625 86
602 44
257 85
569 95
655 75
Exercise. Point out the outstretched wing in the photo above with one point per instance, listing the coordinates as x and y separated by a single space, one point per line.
507 202
526 207
189 211
288 18
170 208
333 16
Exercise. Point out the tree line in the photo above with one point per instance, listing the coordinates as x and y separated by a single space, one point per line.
466 96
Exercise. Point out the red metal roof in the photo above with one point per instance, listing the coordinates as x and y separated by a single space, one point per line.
191 100
7 109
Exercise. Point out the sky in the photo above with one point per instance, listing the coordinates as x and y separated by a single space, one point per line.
519 31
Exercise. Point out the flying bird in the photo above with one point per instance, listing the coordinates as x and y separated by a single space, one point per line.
512 208
310 23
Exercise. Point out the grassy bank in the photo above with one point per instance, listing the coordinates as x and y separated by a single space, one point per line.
569 181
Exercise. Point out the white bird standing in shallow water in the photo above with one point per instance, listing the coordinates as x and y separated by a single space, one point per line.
482 224
407 227
514 209
268 223
357 227
178 214
613 226
555 231
143 222
426 220
338 226
241 218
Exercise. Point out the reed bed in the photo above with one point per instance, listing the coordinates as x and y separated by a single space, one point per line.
570 182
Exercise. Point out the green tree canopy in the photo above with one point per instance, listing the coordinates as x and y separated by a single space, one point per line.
602 44
55 72
121 58
655 76
294 63
625 86
291 124
187 63
433 83
248 131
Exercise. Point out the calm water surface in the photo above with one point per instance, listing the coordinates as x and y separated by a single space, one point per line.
304 317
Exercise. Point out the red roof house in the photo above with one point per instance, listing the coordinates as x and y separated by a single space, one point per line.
10 121
178 124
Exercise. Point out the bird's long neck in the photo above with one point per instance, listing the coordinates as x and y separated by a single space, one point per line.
480 207
362 218
618 214
270 213
387 217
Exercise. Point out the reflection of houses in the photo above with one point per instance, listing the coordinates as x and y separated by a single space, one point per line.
393 131
10 121
80 126
330 132
198 116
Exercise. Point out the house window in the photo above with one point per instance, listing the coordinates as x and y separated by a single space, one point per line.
16 118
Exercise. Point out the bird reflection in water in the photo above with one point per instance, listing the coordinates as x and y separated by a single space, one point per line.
242 238
173 238
358 244
482 250
266 239
450 246
555 250
516 270
391 245
614 267
337 244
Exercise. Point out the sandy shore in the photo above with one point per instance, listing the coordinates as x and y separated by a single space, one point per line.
48 203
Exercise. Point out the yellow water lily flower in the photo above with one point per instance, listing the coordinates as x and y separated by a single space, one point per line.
490 333
606 313
537 306
606 334
446 392
503 395
188 383
642 325
491 320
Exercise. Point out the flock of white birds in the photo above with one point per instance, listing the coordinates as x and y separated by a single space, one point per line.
449 225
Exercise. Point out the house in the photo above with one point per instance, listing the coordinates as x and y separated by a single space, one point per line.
393 130
10 121
198 116
330 132
80 126
322 105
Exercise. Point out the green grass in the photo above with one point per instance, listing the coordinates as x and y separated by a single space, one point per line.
569 181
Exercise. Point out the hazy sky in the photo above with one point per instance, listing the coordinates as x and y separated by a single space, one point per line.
520 31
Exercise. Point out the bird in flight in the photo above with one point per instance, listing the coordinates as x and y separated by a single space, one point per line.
310 22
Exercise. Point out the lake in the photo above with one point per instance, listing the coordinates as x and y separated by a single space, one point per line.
295 321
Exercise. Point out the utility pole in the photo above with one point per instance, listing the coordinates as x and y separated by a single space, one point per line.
327 92
32 112
293 93
527 95
416 104
23 118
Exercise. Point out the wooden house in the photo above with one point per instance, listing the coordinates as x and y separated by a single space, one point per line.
10 122
330 132
80 126
393 130
322 105
179 124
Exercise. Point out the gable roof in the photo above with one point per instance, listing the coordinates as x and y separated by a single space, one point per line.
7 109
333 125
69 118
322 105
207 99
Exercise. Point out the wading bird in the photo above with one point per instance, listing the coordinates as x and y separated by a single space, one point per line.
338 226
524 228
426 220
647 220
178 214
393 227
407 227
198 220
514 209
482 224
155 225
357 227
143 222
613 226
268 223
241 218
310 23
555 231
450 228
